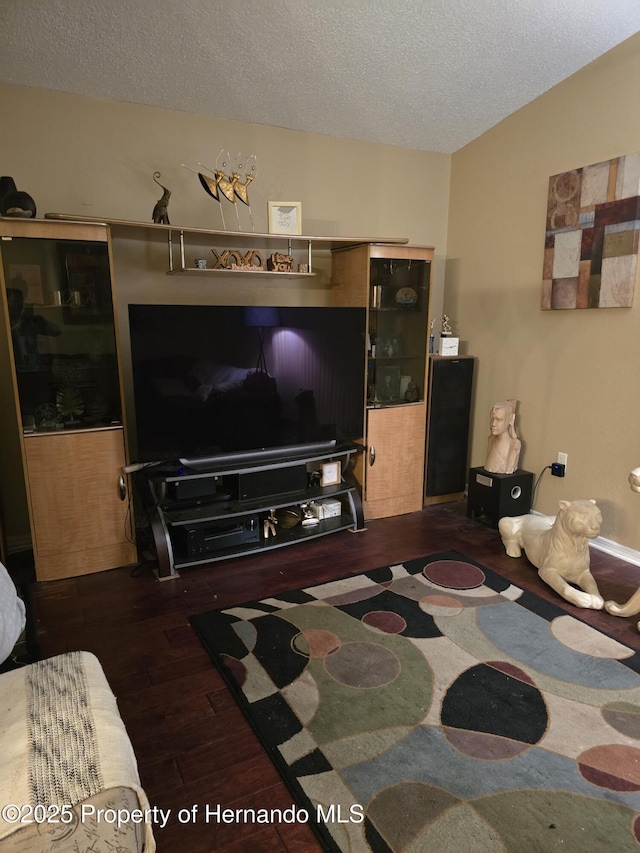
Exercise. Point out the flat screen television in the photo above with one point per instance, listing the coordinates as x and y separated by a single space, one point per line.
218 383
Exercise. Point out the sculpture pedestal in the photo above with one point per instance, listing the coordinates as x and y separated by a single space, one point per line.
492 496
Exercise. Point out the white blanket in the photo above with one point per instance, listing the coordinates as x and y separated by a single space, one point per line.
12 614
62 739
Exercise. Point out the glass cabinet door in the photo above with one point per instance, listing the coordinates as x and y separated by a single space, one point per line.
397 345
60 315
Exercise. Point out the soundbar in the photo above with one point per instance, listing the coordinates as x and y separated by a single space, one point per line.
247 457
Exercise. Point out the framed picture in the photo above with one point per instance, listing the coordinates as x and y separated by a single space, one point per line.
28 279
389 347
285 217
331 474
388 383
86 286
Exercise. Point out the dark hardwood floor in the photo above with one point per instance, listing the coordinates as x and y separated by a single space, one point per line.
192 742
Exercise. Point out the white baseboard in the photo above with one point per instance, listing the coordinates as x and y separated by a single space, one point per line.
616 550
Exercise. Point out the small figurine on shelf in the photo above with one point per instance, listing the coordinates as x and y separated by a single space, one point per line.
13 202
448 344
431 338
209 184
230 180
249 168
160 213
278 262
309 519
269 524
412 394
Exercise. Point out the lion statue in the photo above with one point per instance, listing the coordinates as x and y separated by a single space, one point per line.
632 606
629 608
559 548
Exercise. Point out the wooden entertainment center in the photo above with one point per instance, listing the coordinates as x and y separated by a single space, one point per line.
66 421
60 366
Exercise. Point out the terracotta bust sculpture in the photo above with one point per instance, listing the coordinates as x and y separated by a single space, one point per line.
503 447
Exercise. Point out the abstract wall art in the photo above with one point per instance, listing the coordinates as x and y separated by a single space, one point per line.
591 239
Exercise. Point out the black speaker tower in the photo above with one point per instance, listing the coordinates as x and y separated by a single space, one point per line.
450 387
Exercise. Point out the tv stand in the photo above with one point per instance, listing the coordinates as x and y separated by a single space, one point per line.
232 509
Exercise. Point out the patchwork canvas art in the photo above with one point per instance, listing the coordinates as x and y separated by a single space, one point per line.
591 239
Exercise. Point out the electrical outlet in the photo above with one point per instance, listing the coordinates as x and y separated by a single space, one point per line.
563 459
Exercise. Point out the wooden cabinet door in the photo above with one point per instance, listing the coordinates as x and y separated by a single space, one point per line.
395 439
79 522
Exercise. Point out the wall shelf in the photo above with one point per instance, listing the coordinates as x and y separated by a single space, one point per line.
326 242
243 238
207 271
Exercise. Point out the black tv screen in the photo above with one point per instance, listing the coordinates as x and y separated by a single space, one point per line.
210 380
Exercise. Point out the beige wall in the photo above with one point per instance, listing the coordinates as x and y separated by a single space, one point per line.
93 157
96 158
574 372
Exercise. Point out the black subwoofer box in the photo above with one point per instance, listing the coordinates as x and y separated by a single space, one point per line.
493 496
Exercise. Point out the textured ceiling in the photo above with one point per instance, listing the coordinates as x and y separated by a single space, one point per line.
431 75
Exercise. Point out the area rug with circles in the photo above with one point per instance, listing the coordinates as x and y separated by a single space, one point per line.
433 705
